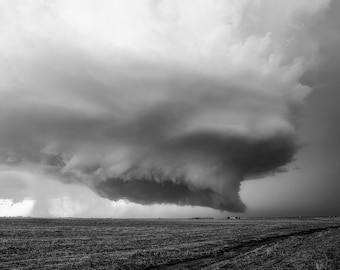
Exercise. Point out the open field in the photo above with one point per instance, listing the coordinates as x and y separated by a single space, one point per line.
169 244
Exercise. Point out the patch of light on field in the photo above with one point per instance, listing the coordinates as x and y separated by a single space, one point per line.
8 208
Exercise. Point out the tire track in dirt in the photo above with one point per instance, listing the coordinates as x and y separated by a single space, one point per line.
213 260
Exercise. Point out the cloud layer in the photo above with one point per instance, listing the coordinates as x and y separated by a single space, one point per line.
154 101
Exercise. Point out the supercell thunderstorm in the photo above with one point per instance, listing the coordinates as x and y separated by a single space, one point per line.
154 101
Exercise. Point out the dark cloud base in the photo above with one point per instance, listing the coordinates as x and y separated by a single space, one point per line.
148 192
236 158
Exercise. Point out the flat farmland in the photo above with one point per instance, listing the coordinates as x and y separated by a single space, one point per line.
29 243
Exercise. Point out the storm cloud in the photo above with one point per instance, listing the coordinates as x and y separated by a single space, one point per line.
201 169
154 101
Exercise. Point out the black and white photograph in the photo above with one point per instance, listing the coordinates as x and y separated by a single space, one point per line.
170 134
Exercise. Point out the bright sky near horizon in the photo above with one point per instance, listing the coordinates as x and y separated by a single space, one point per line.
166 108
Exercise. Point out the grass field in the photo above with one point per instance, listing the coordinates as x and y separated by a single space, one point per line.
29 243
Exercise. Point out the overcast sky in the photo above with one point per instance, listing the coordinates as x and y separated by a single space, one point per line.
165 108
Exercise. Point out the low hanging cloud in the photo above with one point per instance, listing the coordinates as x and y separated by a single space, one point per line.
154 101
202 169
